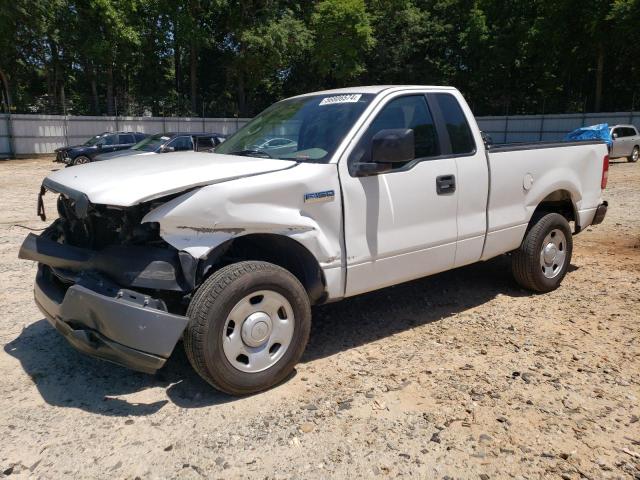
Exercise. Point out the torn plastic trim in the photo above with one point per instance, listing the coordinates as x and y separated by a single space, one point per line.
80 200
133 266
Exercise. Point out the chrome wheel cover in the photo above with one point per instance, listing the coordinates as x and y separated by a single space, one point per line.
553 254
258 331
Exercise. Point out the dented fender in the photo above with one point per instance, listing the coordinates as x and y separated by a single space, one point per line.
302 203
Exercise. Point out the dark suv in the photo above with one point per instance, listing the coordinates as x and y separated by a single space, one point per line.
169 142
102 143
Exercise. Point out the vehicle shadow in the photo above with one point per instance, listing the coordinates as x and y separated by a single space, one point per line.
67 378
370 317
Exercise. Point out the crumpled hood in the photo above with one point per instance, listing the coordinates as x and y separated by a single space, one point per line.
68 148
128 181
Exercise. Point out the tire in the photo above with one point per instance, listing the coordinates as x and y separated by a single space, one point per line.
219 333
81 160
535 268
635 154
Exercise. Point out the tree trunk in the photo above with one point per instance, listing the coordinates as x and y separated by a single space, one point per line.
176 60
599 78
5 88
194 77
242 97
63 99
94 90
110 89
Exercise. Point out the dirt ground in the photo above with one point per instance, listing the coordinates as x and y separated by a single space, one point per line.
460 375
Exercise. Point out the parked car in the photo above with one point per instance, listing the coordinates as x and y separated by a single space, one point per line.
169 142
277 144
229 250
101 143
626 142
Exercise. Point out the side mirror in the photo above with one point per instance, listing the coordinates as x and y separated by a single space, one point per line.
615 135
168 149
387 147
395 145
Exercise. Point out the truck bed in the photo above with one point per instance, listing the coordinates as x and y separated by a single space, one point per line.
523 175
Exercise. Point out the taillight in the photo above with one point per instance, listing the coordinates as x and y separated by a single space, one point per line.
605 172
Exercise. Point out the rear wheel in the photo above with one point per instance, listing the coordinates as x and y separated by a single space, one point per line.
248 326
544 256
81 160
635 154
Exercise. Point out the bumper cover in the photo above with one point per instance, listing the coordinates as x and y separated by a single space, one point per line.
601 212
101 320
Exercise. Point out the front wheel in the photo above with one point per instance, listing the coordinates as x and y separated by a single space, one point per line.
248 326
635 154
81 160
544 256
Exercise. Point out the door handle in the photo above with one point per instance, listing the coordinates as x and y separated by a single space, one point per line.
445 184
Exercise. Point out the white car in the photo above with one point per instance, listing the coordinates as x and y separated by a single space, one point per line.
277 144
626 142
230 250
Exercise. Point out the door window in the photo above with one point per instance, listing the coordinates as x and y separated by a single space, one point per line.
403 112
181 144
111 140
127 139
457 125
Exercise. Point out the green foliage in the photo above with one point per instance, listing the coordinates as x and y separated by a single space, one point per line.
235 57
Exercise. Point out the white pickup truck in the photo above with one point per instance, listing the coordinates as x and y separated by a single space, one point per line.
229 250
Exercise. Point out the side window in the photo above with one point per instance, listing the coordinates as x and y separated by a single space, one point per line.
403 112
457 125
111 140
630 132
204 143
617 132
140 136
127 139
182 144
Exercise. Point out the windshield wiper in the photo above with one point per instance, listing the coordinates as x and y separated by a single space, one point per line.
251 153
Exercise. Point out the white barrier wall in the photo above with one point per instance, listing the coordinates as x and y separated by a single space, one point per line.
42 134
535 128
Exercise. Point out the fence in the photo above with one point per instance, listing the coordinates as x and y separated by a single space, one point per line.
23 135
534 128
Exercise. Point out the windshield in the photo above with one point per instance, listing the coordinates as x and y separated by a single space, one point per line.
92 141
301 129
151 144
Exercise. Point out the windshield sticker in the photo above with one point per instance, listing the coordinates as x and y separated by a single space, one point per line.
352 98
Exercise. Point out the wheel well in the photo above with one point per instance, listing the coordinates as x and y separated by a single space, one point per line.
557 202
277 249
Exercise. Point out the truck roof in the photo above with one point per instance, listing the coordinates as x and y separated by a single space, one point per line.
374 89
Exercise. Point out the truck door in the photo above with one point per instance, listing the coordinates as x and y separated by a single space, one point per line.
401 224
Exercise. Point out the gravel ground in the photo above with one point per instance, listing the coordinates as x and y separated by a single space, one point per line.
460 375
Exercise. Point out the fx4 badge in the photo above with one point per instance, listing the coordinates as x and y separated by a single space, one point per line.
317 197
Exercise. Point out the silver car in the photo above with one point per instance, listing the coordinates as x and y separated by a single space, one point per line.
626 142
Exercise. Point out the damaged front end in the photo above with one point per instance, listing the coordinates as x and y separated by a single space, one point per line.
109 283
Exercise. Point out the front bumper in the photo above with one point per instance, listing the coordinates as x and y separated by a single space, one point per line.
107 322
601 212
62 157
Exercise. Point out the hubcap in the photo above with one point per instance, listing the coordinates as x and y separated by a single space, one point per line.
636 154
553 254
258 331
